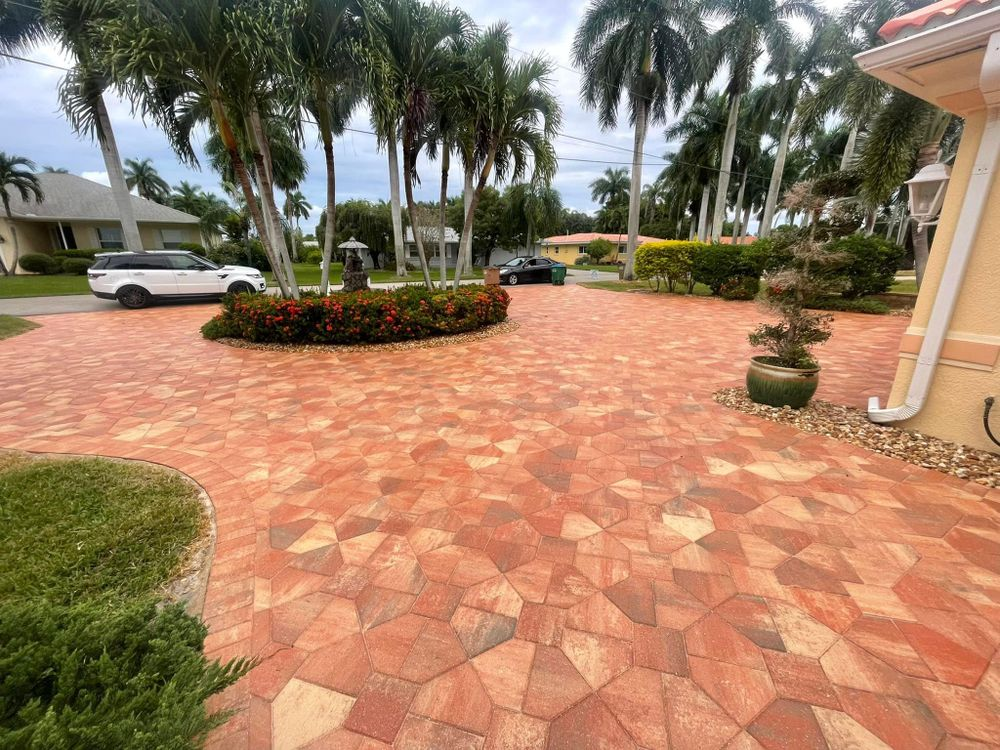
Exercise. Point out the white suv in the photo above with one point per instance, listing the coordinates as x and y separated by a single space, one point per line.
136 279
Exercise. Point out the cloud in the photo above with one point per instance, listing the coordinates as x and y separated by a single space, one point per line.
101 177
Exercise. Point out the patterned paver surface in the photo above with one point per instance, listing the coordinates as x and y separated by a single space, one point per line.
554 537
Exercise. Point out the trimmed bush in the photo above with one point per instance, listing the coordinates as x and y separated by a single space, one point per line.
598 249
88 677
839 304
235 254
669 261
582 260
76 266
870 264
40 263
376 316
314 257
715 264
88 253
192 247
740 288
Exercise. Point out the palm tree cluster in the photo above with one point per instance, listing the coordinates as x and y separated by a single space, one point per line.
790 108
252 72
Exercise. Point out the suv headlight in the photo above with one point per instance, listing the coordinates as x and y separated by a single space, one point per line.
256 276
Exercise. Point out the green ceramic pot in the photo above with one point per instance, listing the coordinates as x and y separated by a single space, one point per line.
780 386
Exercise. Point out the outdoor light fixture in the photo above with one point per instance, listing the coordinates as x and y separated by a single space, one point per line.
927 189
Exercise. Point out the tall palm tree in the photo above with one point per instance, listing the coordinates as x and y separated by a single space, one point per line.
531 207
21 25
48 169
16 173
79 25
323 33
611 187
186 197
752 30
218 55
414 42
641 49
515 119
142 175
297 207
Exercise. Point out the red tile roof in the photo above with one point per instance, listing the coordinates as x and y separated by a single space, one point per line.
582 238
922 16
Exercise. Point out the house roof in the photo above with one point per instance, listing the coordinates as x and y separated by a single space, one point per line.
937 13
72 198
583 238
430 234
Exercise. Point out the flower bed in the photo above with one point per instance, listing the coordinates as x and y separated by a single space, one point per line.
378 316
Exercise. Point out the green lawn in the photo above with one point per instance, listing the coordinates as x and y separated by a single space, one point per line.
308 274
42 286
609 269
700 290
904 287
11 326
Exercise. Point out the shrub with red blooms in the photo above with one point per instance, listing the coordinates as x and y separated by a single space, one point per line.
376 316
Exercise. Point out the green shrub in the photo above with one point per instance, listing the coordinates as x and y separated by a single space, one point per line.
375 316
740 288
599 249
756 257
870 264
76 266
713 265
582 260
668 261
40 263
86 677
89 253
235 254
839 304
192 247
314 256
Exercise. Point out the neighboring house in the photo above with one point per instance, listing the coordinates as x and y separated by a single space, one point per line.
430 238
567 247
500 255
78 213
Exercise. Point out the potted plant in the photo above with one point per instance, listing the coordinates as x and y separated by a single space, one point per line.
801 270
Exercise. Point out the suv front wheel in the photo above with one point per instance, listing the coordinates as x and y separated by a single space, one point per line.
241 287
133 297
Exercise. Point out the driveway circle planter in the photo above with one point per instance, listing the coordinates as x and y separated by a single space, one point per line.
772 385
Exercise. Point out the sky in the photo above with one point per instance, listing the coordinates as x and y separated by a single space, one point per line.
32 126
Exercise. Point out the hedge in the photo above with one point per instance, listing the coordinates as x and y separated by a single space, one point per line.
667 261
870 264
377 316
40 263
76 266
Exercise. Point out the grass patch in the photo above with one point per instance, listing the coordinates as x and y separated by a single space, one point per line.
700 290
42 286
609 269
89 658
904 287
11 326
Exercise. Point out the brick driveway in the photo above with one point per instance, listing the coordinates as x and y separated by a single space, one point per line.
554 536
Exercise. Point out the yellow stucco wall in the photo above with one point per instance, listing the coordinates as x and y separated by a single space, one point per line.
569 253
36 237
954 406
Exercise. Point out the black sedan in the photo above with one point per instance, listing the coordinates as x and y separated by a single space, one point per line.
525 270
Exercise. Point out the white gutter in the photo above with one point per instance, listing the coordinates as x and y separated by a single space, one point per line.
977 195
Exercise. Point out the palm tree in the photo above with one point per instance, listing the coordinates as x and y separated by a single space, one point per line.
414 47
531 207
16 173
186 197
142 176
297 207
643 49
213 214
79 26
515 119
752 30
221 57
21 25
612 187
322 34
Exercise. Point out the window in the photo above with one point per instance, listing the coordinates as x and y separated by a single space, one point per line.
117 262
186 263
149 262
172 238
110 238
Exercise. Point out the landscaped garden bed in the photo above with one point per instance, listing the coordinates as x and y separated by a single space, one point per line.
94 650
853 426
359 318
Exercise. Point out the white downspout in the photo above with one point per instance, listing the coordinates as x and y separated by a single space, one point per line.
977 195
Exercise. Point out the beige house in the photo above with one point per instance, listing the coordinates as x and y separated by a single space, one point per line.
79 213
949 361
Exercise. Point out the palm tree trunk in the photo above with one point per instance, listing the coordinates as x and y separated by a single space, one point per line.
442 245
331 211
745 223
728 148
703 213
635 191
467 227
397 213
852 138
291 233
411 207
774 187
739 205
267 196
466 240
17 246
243 177
119 188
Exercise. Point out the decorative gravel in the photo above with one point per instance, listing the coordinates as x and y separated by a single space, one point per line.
852 426
508 326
